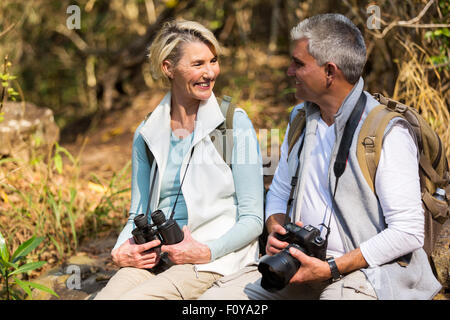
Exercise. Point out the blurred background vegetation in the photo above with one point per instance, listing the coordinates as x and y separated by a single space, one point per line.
89 77
82 73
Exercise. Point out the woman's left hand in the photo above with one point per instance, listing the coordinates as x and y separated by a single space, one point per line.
187 251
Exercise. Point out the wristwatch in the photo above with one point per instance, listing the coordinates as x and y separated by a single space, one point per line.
335 274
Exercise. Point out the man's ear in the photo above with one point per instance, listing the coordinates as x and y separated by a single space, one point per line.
167 68
331 71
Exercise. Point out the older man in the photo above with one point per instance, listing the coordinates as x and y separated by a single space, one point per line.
373 240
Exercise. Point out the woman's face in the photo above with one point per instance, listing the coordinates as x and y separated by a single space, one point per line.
194 75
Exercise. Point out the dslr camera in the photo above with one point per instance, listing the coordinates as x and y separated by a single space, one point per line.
167 231
278 269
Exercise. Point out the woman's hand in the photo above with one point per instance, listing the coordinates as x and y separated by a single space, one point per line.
187 251
130 254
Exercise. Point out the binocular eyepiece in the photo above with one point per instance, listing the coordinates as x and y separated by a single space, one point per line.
168 231
277 270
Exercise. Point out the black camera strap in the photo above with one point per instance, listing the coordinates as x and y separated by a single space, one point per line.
150 192
341 158
344 147
347 138
179 190
294 181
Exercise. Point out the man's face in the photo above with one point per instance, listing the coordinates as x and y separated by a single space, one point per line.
310 79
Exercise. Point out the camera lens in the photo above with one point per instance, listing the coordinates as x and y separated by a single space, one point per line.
141 221
278 269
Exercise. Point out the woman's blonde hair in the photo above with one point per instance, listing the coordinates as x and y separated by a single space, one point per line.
168 42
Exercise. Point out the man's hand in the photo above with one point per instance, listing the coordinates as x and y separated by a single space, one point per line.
274 226
187 251
130 254
311 269
274 245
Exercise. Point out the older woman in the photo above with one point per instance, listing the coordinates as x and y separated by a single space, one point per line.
219 210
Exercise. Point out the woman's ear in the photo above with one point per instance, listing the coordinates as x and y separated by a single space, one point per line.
167 68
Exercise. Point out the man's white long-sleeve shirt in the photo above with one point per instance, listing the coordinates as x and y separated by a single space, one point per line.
397 187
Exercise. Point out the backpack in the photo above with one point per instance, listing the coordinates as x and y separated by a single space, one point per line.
433 164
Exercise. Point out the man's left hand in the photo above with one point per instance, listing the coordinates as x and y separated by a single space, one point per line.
311 269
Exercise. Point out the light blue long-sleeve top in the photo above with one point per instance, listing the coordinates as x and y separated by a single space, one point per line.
248 182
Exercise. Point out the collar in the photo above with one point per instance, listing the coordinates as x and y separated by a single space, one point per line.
344 111
156 131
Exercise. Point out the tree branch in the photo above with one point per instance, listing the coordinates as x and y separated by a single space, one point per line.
412 23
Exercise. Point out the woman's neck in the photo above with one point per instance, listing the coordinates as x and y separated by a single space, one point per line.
183 115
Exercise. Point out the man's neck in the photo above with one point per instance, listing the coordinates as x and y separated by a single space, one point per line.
330 103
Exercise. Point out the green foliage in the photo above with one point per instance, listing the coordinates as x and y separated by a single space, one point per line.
114 191
11 266
57 158
442 36
444 5
7 91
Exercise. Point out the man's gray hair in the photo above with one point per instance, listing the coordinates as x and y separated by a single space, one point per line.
334 38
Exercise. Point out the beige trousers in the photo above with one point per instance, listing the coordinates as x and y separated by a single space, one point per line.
176 282
246 285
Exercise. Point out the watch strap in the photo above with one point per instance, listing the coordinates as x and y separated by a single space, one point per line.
335 274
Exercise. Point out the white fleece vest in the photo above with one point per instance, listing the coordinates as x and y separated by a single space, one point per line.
208 188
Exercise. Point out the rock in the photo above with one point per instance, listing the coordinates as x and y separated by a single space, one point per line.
441 260
26 127
81 275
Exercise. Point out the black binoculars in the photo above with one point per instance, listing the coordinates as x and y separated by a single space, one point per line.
167 231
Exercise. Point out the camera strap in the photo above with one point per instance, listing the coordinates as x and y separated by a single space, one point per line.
341 158
294 181
150 192
179 190
344 147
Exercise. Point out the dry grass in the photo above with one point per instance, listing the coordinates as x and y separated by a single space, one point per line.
414 88
40 198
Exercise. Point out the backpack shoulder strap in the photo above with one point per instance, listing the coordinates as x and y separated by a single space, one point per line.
225 145
227 109
370 141
296 127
